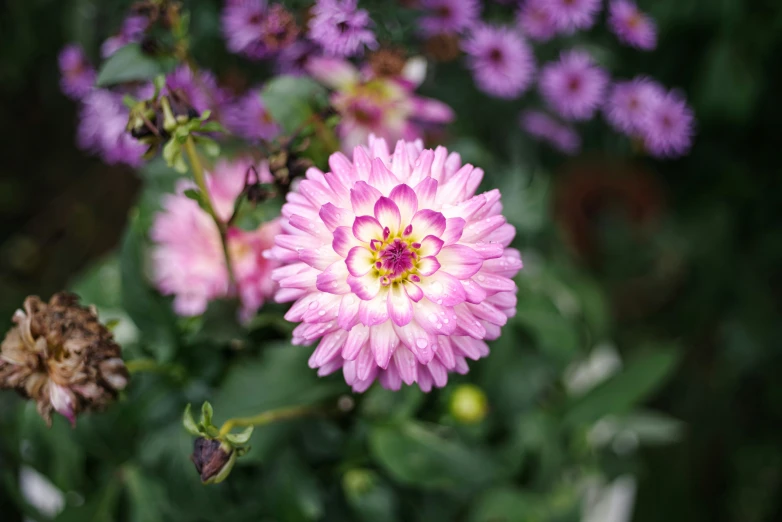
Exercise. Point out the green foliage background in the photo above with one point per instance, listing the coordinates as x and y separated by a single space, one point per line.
691 300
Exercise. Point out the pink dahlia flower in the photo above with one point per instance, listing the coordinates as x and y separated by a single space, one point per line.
188 259
381 105
396 265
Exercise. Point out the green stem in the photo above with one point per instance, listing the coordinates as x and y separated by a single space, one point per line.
267 417
152 366
200 179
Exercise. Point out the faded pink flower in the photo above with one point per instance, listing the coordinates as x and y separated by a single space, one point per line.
188 259
396 265
385 106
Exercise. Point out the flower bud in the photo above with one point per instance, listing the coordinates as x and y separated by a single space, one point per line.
213 459
468 404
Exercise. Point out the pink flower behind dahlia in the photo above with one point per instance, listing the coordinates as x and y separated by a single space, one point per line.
631 26
449 16
102 129
501 61
188 258
574 86
200 89
396 266
629 103
536 22
570 15
77 74
249 118
380 105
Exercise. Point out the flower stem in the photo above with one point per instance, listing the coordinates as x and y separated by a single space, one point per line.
267 417
152 366
200 179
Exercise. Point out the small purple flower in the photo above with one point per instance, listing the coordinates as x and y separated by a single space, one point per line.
574 86
631 26
103 119
340 28
629 103
132 31
570 15
293 59
543 127
668 126
448 16
200 90
250 119
243 27
502 64
77 74
536 22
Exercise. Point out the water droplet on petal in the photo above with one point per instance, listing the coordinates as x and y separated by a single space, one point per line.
421 343
437 287
439 325
313 305
321 312
432 318
481 277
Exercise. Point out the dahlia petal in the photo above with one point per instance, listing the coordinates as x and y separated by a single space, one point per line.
387 213
494 283
363 198
365 362
487 312
430 110
400 308
296 312
420 342
453 189
479 230
472 348
507 265
373 312
438 372
488 250
359 261
319 258
367 228
296 242
334 216
473 292
362 386
286 295
306 279
427 192
362 163
365 287
357 338
428 266
349 371
493 331
316 192
381 177
325 309
310 226
347 317
438 164
344 240
468 323
421 170
328 349
401 165
466 209
383 341
406 364
341 167
454 227
330 367
334 279
430 246
460 261
503 235
413 291
424 380
390 379
428 222
406 201
443 288
287 270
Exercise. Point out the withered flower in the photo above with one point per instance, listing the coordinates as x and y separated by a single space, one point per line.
387 62
213 459
62 357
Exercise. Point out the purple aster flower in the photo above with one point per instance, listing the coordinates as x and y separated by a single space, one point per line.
250 119
574 86
569 15
78 76
501 62
132 31
103 119
629 103
256 30
543 127
631 26
200 90
668 126
535 21
341 28
448 16
293 59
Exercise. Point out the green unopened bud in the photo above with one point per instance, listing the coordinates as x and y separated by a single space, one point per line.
213 459
358 482
469 404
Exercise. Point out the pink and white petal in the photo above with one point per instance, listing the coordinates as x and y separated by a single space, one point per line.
367 228
406 365
427 192
388 216
492 207
406 201
375 311
438 372
414 291
474 293
319 258
480 230
430 246
488 249
503 300
341 167
362 386
390 378
420 342
424 379
297 242
296 312
467 324
488 312
400 307
357 338
438 164
493 283
347 317
476 176
460 261
317 192
430 110
365 362
508 265
428 266
383 341
362 163
365 287
454 227
443 288
453 189
360 260
503 235
349 371
401 165
434 318
333 72
286 295
344 240
382 178
466 209
428 222
328 349
305 280
330 367
472 348
334 279
493 331
325 309
288 270
445 353
334 216
363 197
312 227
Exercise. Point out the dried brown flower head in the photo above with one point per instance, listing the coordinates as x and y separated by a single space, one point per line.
387 62
62 357
443 47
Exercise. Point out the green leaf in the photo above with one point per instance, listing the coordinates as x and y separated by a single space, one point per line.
129 64
414 454
292 490
189 423
148 501
100 506
624 390
556 335
507 504
242 437
369 496
292 100
206 414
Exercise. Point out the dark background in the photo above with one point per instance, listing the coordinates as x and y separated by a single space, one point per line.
688 250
